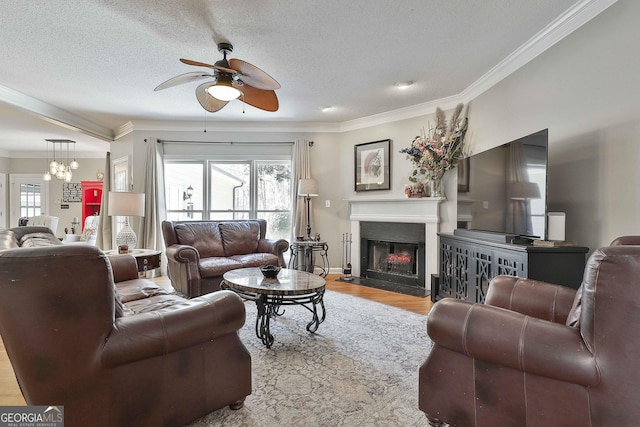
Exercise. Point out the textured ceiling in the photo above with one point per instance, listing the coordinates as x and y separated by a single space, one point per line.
100 60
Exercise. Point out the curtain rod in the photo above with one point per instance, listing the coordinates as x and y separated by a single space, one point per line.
224 142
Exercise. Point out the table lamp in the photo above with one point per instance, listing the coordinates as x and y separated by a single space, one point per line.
126 204
308 188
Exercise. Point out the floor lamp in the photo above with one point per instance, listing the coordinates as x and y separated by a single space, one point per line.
308 188
126 204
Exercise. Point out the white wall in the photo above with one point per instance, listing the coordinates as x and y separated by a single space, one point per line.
586 91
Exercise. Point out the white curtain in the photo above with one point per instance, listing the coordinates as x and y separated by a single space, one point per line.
301 170
105 232
155 208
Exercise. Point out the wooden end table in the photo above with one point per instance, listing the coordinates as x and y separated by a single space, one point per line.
291 287
147 259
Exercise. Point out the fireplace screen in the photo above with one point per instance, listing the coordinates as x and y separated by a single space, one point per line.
393 258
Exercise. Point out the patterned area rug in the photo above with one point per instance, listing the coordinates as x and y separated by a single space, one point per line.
359 369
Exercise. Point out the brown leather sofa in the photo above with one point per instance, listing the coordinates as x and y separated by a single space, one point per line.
27 236
537 354
200 252
83 331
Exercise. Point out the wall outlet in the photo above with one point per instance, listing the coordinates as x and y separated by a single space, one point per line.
485 204
327 203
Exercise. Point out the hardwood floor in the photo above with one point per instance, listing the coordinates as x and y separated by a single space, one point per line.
406 302
10 392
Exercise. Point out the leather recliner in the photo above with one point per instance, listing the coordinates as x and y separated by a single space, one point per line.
539 354
139 360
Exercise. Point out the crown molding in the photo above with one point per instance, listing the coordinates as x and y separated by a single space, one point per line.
400 114
575 17
578 15
213 127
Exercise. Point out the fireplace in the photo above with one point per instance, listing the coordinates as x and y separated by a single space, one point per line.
393 252
422 215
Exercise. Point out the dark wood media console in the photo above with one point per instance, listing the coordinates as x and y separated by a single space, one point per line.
467 265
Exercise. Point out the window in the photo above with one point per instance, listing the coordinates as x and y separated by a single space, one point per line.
274 197
231 190
29 197
120 182
30 204
179 176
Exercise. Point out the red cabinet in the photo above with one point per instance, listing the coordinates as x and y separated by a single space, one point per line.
91 198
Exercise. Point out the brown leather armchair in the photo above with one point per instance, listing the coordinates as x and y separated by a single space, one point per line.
538 354
161 360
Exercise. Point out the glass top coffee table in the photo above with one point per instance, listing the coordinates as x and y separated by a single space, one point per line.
291 287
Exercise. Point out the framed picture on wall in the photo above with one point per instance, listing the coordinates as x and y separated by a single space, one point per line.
372 166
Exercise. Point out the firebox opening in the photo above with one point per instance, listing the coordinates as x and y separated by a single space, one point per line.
393 258
393 253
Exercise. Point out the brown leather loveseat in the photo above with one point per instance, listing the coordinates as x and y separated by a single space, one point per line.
83 331
538 354
200 252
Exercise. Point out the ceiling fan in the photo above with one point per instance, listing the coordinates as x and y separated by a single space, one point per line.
232 79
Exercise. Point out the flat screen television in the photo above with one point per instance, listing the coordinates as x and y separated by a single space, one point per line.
504 190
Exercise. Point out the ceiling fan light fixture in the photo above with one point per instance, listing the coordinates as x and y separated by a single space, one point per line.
223 89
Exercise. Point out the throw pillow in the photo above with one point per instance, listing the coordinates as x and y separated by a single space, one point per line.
240 237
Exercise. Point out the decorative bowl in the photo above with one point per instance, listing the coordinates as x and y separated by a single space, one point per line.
270 271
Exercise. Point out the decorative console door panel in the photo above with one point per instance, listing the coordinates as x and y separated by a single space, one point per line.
483 270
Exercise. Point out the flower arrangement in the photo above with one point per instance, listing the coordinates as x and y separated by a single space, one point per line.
438 151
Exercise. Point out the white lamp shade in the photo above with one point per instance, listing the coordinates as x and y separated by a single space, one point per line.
126 204
308 187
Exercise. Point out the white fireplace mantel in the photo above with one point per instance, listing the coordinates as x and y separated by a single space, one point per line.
423 210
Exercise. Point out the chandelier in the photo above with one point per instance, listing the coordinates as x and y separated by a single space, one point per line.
58 167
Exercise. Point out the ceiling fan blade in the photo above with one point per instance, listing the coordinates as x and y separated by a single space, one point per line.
202 64
182 78
262 99
253 75
207 101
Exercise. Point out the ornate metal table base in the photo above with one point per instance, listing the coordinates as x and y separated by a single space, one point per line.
303 256
271 306
291 287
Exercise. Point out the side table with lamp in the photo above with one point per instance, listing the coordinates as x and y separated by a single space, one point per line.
303 249
127 204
